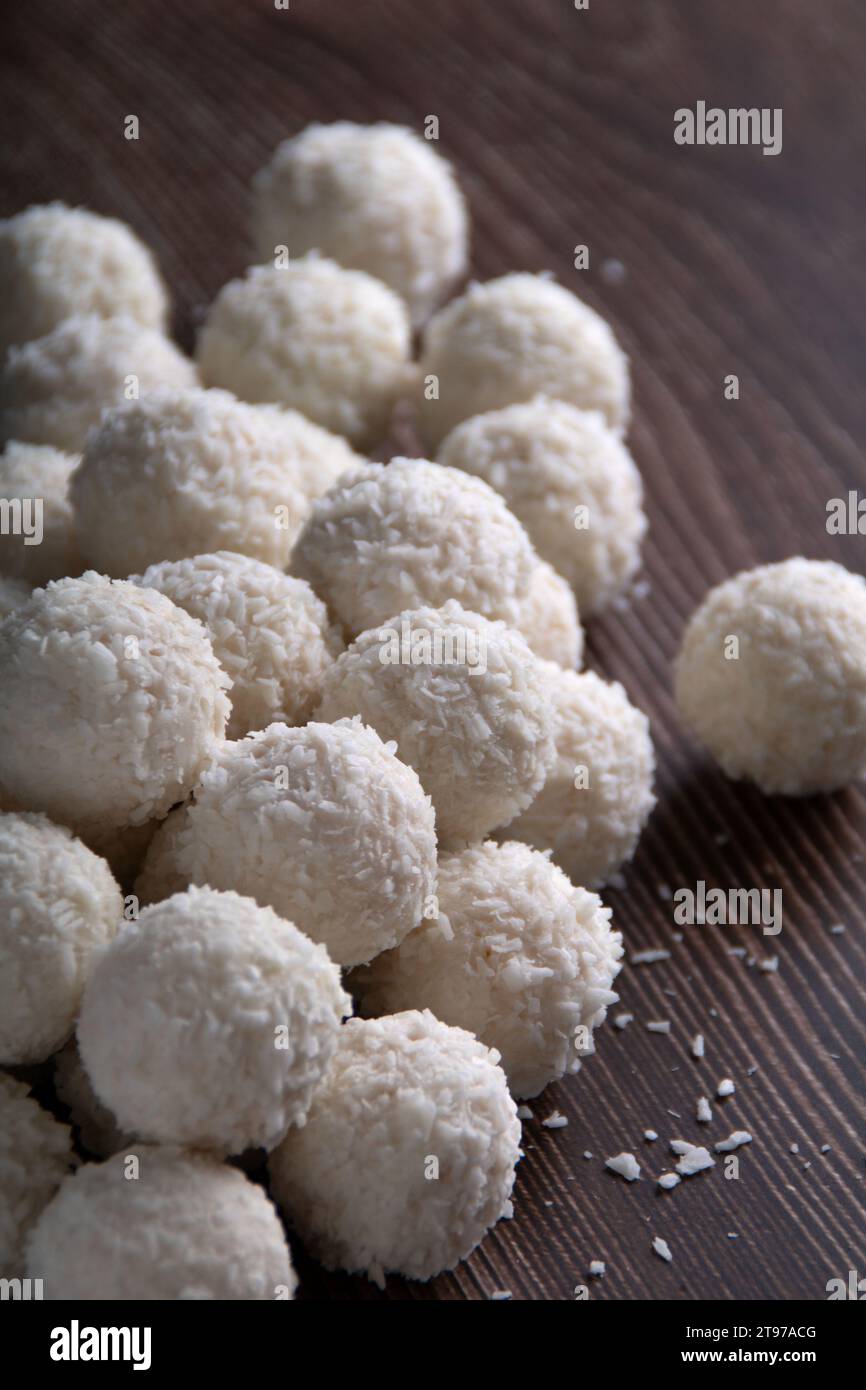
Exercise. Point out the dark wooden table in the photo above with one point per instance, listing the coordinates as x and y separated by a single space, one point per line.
561 125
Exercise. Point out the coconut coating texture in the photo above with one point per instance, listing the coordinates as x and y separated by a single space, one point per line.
35 1157
209 1022
548 618
401 1095
59 904
572 483
475 723
36 475
788 711
111 703
598 794
514 338
182 473
13 593
53 390
332 343
413 534
324 824
56 261
517 955
181 1226
97 1127
375 197
270 633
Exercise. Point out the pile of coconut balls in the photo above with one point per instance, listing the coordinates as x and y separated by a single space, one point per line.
305 798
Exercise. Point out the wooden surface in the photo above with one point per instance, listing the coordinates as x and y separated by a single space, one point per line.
561 125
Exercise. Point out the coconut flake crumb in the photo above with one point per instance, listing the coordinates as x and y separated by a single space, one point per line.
587 1153
738 951
524 1112
725 1088
681 1146
704 1111
795 1148
597 1269
735 1140
555 1121
695 1161
626 1165
770 965
662 1025
698 1045
650 1134
837 929
662 1249
669 1180
649 957
500 1296
825 1148
623 1020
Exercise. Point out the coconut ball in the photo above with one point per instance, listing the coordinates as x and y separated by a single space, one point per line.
58 905
413 534
332 343
517 955
547 617
35 1157
161 1224
572 483
46 547
209 1022
375 197
13 593
324 824
466 702
598 794
270 633
97 1127
771 676
182 473
514 338
409 1151
53 390
57 261
111 703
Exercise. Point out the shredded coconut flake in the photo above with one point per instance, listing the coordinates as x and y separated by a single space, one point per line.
626 1165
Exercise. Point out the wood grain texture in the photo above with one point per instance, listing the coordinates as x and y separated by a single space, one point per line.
561 125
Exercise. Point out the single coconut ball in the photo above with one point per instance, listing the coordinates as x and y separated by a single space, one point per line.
182 473
332 343
111 703
465 701
35 1156
514 338
570 480
598 795
209 1022
771 676
324 824
59 904
270 633
41 545
96 1125
413 534
517 955
375 197
53 390
13 593
547 617
408 1155
57 261
161 1224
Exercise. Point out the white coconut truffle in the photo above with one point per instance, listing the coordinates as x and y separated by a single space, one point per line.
13 593
572 483
35 1156
41 544
771 676
209 1022
517 955
176 1226
57 261
548 618
111 703
466 702
598 795
59 904
332 343
514 338
53 390
97 1127
270 633
324 824
401 1094
182 473
376 198
412 534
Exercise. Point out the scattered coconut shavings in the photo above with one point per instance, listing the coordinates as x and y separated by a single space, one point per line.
555 1121
725 1088
669 1180
806 1165
698 1045
714 1013
623 1020
587 1154
770 965
626 1165
704 1111
795 1148
738 951
650 1134
695 1161
524 1112
732 1235
662 1249
649 957
597 1269
750 1071
681 1146
662 1025
825 1148
735 1140
500 1296
837 929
